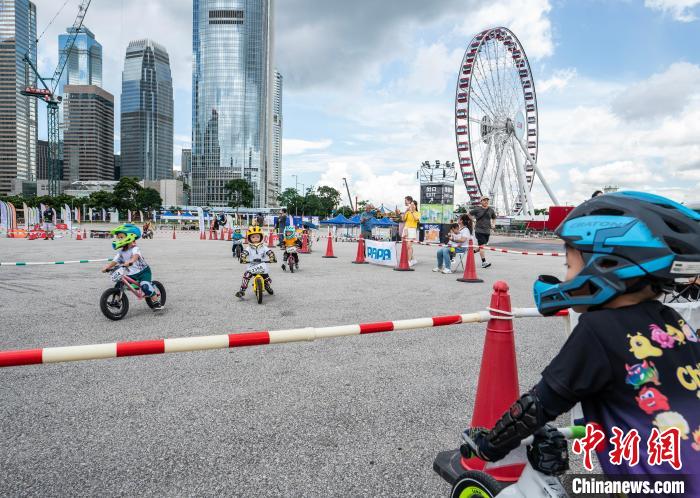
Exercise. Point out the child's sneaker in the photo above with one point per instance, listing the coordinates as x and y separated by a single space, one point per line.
485 264
240 294
268 288
284 267
157 306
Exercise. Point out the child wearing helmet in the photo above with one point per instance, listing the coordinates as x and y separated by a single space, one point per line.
256 253
632 362
236 238
129 255
290 240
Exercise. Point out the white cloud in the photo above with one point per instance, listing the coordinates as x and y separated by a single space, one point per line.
662 94
431 69
680 10
294 146
528 19
557 82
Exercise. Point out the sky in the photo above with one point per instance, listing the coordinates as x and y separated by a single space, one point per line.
369 86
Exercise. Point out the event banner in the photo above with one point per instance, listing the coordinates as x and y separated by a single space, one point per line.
436 214
437 193
381 253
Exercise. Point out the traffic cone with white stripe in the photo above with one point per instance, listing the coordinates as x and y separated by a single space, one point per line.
470 267
305 244
173 232
403 260
360 258
329 246
497 390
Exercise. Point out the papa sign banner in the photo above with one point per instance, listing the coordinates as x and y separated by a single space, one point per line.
381 253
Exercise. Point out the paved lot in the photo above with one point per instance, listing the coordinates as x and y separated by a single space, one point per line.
360 416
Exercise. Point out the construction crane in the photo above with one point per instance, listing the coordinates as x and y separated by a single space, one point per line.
347 189
48 95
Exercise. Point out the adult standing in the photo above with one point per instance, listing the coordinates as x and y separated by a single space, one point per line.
281 223
459 242
47 215
484 221
410 217
365 221
260 219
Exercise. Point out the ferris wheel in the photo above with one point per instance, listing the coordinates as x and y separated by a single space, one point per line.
496 124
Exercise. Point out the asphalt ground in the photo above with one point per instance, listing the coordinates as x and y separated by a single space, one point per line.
357 416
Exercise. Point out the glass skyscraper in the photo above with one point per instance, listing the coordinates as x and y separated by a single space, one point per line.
275 181
18 114
231 98
84 63
147 112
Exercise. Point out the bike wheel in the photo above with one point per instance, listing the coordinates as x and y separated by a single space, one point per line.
259 288
114 304
151 301
475 484
290 262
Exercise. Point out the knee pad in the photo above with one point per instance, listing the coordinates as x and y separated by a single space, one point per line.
147 288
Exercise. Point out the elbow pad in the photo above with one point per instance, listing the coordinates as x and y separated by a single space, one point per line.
521 420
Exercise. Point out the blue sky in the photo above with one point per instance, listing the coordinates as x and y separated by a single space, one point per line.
369 88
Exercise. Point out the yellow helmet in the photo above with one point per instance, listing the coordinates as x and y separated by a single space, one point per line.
255 229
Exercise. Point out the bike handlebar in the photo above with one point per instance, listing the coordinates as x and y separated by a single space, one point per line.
571 432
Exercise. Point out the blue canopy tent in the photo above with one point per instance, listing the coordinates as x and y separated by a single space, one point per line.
355 220
337 220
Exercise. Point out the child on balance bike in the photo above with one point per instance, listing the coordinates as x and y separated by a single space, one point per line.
256 253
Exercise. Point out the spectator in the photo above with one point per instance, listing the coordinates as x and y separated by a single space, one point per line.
410 229
457 242
281 223
365 220
260 219
597 193
484 221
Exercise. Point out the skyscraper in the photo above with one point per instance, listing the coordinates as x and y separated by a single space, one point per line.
275 180
147 112
186 161
231 108
18 114
84 62
89 134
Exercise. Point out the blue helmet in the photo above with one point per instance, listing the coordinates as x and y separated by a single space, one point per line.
623 236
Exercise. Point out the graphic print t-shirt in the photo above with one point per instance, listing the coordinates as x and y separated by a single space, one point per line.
636 367
123 256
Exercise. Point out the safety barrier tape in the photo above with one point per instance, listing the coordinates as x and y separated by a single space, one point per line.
203 343
32 263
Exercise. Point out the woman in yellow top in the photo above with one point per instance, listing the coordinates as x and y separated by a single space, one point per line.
410 229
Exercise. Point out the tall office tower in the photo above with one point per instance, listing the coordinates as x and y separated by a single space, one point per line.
117 166
231 98
275 178
83 67
89 133
147 112
186 161
18 114
84 62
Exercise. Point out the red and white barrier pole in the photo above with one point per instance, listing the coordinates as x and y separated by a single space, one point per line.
202 343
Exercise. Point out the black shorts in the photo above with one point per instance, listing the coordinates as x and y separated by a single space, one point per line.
482 238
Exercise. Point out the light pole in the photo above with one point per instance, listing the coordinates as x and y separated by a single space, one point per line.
303 207
296 186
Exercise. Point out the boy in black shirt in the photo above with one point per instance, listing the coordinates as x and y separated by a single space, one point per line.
632 362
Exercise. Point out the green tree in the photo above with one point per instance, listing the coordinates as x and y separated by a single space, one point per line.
125 192
329 199
291 199
148 199
345 211
101 200
240 193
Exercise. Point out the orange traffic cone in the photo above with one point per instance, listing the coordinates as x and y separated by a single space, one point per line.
229 231
173 232
496 392
470 267
360 258
305 244
329 247
403 261
79 237
84 234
